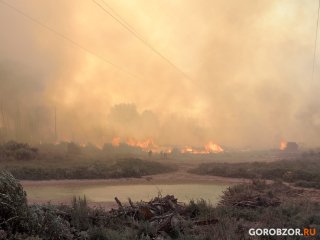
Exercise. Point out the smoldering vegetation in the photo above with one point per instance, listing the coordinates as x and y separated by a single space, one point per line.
258 205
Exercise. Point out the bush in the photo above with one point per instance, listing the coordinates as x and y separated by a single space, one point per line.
199 208
13 202
99 233
98 170
307 184
302 172
80 213
45 222
17 151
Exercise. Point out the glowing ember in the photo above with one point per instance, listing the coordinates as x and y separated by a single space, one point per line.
283 145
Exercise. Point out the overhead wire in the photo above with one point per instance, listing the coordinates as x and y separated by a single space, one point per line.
315 43
120 18
129 28
36 21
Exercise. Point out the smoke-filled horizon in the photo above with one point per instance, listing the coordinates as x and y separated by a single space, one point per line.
247 68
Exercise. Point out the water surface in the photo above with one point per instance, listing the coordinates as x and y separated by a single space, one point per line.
107 192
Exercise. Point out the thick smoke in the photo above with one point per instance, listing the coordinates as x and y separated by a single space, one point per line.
249 65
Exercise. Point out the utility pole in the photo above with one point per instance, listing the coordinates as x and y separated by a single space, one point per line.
18 123
3 123
55 124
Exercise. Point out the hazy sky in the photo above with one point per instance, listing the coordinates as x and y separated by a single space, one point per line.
249 67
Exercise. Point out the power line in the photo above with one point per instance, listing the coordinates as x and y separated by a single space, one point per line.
68 39
128 27
120 18
315 42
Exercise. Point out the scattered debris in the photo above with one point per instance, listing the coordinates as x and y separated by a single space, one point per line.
252 196
165 214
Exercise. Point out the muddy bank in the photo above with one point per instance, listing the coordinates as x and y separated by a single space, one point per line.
166 178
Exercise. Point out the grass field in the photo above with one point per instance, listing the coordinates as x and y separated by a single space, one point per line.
303 171
54 162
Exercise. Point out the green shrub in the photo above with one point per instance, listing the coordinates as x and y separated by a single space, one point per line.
307 184
46 222
13 202
97 233
80 213
303 172
17 151
199 209
98 170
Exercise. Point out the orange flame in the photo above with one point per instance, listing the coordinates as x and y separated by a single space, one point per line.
115 141
210 147
187 149
213 147
148 144
283 145
145 144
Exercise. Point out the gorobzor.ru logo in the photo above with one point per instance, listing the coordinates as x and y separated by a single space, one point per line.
282 232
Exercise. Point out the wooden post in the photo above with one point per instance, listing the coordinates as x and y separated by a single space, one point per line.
4 123
55 124
18 124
